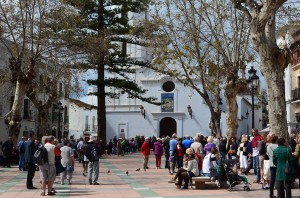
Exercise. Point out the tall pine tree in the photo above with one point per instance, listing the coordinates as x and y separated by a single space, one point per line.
105 31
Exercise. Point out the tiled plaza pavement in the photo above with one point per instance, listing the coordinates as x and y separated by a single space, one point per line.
152 183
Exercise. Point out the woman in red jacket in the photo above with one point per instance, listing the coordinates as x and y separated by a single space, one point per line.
146 152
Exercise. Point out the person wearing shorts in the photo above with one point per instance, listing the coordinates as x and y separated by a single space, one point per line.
48 170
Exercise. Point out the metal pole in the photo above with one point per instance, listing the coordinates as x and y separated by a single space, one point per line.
252 94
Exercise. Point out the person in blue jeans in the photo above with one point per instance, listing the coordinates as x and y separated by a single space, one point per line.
21 149
256 145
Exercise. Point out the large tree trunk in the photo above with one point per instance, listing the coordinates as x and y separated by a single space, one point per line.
275 92
215 125
273 63
101 111
231 116
42 118
14 117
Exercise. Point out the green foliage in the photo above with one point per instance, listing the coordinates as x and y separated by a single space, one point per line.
107 46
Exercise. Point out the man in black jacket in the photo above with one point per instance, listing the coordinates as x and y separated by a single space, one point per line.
29 153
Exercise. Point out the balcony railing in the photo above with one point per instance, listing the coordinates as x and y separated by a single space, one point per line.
296 94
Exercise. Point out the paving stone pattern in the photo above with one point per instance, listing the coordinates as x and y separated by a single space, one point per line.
152 183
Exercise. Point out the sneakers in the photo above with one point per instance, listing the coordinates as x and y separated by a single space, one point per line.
172 181
96 183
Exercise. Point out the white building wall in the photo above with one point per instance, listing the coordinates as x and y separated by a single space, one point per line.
77 120
290 110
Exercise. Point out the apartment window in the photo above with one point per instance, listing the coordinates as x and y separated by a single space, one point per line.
26 110
94 120
60 89
87 123
66 120
1 109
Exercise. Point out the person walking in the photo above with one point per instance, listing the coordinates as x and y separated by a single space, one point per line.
282 156
158 152
67 160
145 149
21 149
92 153
29 153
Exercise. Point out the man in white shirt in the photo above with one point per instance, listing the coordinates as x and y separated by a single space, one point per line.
48 171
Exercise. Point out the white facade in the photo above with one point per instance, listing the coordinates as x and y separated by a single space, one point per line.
290 108
82 119
124 116
245 115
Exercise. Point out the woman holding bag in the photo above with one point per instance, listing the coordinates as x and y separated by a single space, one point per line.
282 158
67 160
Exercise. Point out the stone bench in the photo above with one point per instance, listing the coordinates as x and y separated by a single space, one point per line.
199 182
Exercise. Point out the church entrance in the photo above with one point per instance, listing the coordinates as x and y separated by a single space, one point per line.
167 127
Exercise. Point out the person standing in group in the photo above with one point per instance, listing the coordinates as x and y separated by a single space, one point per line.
270 152
145 149
179 152
209 145
172 160
158 152
197 146
29 153
187 142
166 147
7 149
92 153
48 170
21 149
282 155
256 145
67 159
243 154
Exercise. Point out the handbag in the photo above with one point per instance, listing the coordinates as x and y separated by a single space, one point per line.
59 167
69 168
267 157
289 169
231 151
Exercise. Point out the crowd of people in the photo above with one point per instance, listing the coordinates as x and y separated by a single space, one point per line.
273 159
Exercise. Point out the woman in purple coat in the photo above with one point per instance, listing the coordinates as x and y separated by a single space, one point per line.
158 152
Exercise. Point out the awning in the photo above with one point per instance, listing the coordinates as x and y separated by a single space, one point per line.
266 130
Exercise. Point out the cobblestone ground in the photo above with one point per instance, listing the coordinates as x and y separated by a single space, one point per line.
152 183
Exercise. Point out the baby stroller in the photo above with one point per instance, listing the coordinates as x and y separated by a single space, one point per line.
233 177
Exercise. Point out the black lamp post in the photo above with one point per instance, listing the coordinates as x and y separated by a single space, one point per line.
252 83
60 108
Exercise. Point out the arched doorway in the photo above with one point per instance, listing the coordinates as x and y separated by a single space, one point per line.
167 127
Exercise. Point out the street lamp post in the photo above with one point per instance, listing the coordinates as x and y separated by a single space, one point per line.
60 108
252 83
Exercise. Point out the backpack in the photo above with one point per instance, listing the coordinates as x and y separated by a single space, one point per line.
92 154
40 156
22 148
